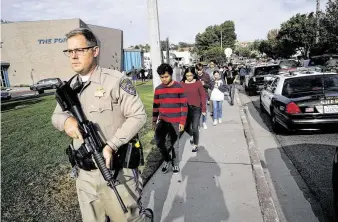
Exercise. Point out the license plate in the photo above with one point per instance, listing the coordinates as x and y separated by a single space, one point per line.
331 109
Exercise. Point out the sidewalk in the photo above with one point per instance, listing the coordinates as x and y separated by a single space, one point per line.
216 184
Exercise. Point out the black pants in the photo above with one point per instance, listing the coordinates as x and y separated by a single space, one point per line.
232 93
242 79
163 131
193 118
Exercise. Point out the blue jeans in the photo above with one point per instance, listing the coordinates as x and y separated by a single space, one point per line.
204 117
217 109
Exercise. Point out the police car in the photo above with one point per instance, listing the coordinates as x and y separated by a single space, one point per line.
254 82
303 100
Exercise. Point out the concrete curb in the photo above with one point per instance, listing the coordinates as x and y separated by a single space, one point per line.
267 206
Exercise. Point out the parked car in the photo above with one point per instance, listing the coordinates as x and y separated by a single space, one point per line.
45 84
287 65
306 100
321 62
254 82
5 94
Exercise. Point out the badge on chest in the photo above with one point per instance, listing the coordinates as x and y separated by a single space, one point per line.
99 92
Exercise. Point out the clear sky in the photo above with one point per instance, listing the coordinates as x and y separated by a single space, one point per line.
181 20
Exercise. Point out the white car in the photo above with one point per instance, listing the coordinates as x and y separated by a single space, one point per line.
301 100
257 77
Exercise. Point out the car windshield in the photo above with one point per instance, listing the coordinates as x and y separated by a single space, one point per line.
288 64
308 85
265 70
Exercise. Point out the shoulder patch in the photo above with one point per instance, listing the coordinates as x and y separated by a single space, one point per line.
128 86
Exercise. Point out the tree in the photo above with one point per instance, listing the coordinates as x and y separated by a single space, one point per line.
4 21
255 45
253 55
185 45
163 45
299 32
214 53
173 47
147 48
329 28
276 49
210 39
243 51
272 34
266 47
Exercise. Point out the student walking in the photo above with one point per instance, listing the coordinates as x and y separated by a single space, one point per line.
196 98
206 82
217 96
169 116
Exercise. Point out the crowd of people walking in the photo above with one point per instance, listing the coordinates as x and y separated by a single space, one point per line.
181 105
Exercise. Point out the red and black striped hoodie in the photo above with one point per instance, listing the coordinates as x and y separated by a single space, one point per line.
170 104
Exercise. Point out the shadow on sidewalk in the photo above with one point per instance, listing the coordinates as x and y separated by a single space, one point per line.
159 194
202 200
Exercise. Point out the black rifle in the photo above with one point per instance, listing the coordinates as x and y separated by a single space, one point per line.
69 101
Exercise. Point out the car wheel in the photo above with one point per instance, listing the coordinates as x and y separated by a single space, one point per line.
250 92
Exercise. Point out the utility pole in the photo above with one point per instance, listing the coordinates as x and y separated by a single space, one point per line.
167 52
318 20
221 39
155 47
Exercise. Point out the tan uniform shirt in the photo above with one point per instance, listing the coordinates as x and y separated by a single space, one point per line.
111 102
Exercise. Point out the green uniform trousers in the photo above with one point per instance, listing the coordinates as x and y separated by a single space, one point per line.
97 200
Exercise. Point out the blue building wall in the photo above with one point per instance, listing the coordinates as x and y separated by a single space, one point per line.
132 58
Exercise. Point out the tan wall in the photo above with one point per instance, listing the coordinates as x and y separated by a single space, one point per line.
110 46
39 45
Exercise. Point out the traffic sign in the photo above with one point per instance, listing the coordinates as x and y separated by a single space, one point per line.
228 52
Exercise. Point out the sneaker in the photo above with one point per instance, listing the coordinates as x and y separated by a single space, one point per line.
195 148
165 167
205 126
176 169
215 122
220 120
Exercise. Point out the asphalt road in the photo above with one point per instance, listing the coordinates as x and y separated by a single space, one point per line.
311 154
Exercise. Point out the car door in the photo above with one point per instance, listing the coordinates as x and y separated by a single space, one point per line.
40 84
269 93
247 78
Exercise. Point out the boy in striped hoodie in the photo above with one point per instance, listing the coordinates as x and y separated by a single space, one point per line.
169 115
